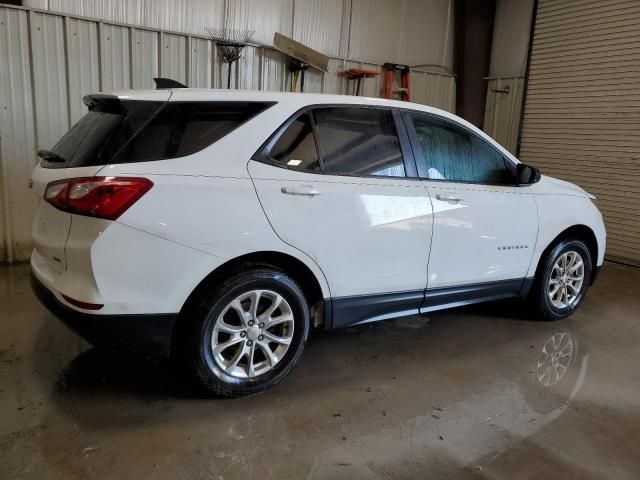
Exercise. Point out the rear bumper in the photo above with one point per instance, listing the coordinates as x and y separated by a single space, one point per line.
143 334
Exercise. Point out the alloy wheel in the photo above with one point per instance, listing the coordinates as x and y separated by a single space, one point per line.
566 279
252 334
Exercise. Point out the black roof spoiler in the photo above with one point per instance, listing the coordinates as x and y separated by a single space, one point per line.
162 83
101 99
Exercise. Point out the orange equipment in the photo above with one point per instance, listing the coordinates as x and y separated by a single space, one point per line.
405 83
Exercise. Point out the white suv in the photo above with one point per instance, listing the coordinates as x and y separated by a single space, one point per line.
224 225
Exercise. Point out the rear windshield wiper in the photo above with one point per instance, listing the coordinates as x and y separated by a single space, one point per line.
50 156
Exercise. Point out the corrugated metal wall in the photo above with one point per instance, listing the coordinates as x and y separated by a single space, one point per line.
48 61
505 85
503 110
582 113
376 31
17 134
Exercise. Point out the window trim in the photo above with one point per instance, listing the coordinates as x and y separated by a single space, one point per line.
421 161
408 160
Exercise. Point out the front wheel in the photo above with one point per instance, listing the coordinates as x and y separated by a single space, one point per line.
562 280
249 333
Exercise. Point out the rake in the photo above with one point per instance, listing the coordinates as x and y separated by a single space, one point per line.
230 44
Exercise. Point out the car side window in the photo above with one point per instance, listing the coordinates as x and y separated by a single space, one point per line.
180 129
358 141
453 153
296 146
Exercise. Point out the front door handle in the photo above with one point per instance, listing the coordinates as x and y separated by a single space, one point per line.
303 190
447 197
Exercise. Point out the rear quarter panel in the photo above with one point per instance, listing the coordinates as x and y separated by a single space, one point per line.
217 216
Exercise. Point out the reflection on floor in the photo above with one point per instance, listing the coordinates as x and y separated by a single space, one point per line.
479 392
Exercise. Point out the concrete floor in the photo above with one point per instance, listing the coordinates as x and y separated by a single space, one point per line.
451 395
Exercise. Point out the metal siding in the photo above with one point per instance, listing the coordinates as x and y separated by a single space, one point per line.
17 140
427 33
145 57
249 65
217 69
502 113
173 63
582 120
49 75
332 82
318 24
265 17
201 66
274 72
375 28
115 68
420 87
121 11
82 47
433 89
189 16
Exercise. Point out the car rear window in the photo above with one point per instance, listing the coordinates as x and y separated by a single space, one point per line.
141 131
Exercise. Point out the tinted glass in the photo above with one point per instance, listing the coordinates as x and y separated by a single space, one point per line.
452 153
296 146
358 141
137 131
100 133
183 128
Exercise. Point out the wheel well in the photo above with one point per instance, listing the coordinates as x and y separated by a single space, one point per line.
580 232
280 261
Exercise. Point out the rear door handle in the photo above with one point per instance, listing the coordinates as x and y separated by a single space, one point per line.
303 190
447 197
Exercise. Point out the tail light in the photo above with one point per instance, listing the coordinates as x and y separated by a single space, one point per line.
100 197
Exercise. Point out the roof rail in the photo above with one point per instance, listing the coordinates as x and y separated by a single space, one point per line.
162 83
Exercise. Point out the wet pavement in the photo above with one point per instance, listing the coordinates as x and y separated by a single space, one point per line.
479 392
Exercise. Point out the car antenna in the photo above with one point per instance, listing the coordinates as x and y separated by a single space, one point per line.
162 83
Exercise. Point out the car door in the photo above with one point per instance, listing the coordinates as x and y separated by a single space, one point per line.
485 225
336 183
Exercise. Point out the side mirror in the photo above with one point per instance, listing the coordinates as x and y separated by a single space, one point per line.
527 175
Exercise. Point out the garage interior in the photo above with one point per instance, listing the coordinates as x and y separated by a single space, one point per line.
453 394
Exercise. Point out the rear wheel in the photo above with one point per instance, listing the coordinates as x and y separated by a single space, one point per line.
562 280
249 333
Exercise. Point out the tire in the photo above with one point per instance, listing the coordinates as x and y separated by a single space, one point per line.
225 317
545 305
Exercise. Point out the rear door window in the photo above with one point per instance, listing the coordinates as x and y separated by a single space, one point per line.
296 146
139 131
354 141
358 141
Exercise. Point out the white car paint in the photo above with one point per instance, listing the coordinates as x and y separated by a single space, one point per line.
361 236
358 230
562 205
487 235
